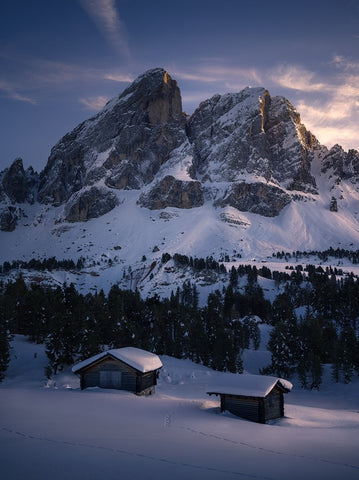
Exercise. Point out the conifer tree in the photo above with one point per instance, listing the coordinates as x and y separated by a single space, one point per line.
215 330
345 362
310 352
66 328
282 309
283 345
233 278
4 345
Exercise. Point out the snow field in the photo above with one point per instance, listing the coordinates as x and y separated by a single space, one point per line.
60 431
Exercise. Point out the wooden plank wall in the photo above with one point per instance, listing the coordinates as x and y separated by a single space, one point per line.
274 405
255 409
146 381
91 377
242 407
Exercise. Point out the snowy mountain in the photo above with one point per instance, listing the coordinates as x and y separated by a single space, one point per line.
240 178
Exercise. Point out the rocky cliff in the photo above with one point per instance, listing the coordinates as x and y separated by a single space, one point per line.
17 186
257 144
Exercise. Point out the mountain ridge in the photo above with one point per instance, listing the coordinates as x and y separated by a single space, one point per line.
229 138
140 178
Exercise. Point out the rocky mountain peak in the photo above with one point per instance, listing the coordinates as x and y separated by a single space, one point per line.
17 184
14 182
123 146
160 96
343 165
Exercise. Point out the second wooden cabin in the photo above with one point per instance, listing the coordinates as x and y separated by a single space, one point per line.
253 397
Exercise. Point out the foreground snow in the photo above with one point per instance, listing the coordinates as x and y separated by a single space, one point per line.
53 429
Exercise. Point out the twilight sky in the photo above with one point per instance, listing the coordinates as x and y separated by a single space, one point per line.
61 60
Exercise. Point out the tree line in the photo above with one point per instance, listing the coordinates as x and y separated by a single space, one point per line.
74 326
323 255
43 264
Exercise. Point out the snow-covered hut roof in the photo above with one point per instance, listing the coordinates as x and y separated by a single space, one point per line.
249 385
141 360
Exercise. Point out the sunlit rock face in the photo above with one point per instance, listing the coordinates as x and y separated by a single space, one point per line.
252 133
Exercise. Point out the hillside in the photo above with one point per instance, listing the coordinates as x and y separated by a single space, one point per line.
134 237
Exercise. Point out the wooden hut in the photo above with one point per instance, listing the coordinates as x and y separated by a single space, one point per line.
254 397
126 368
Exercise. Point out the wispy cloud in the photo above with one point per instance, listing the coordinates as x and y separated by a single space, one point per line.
342 62
295 77
210 77
227 75
341 135
106 18
118 77
323 112
12 91
39 74
329 108
42 79
192 99
94 103
333 120
50 72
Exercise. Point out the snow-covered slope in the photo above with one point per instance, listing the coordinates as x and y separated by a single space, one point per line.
131 237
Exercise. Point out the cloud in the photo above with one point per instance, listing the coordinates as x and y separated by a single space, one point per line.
208 78
11 91
106 18
39 74
333 120
350 87
329 136
50 72
327 101
118 77
339 61
235 75
295 77
227 75
195 76
94 103
191 100
43 80
330 111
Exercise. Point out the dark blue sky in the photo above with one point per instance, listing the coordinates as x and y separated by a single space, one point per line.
61 60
